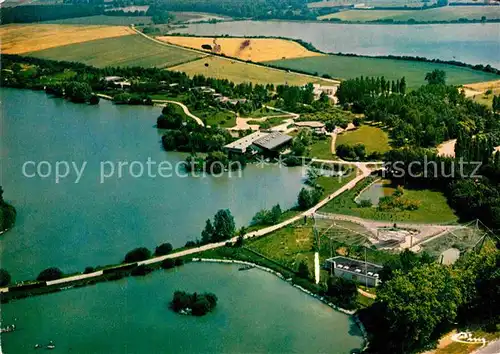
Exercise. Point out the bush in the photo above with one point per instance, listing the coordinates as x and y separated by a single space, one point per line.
4 277
89 270
142 270
163 249
178 262
190 244
168 263
137 255
50 274
365 203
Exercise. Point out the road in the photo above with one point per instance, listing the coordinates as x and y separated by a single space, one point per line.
184 108
364 173
491 348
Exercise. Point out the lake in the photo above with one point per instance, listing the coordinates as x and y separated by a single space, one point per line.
256 313
73 225
469 43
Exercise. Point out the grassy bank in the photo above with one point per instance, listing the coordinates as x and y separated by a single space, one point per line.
346 67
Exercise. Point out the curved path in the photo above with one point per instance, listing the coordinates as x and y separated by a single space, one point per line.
364 173
184 108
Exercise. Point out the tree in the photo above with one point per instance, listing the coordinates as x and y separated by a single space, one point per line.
224 226
413 305
304 199
137 255
343 292
402 86
357 121
50 274
94 99
302 270
436 77
208 232
4 277
163 249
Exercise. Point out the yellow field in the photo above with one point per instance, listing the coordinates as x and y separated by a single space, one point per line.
254 49
239 72
478 91
18 39
484 86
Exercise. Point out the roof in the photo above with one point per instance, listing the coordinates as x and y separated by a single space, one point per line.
243 143
350 264
310 124
112 78
272 140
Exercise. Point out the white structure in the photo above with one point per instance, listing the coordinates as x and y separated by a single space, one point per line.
361 272
315 126
330 91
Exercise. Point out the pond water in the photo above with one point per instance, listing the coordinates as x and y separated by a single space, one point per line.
73 225
256 313
374 192
469 43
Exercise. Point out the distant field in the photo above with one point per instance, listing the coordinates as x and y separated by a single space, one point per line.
370 3
19 39
133 50
448 13
254 49
343 67
186 16
239 72
374 139
103 20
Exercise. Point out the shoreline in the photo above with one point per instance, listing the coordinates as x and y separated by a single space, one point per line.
351 313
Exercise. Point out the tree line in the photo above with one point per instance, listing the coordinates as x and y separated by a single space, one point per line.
420 300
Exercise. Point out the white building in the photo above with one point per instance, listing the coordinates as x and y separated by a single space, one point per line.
364 273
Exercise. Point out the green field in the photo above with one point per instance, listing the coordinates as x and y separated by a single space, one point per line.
239 72
433 209
449 13
103 20
344 67
213 117
374 139
132 50
321 149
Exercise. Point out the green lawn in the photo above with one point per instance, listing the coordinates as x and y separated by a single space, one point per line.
322 149
263 112
132 50
433 209
449 13
213 117
343 67
268 123
103 20
374 139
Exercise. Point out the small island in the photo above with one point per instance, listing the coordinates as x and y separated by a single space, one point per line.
193 304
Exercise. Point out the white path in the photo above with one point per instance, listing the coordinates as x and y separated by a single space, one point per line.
184 108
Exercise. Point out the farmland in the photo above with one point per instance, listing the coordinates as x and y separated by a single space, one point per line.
374 139
449 13
483 92
254 49
20 39
238 72
345 67
133 50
